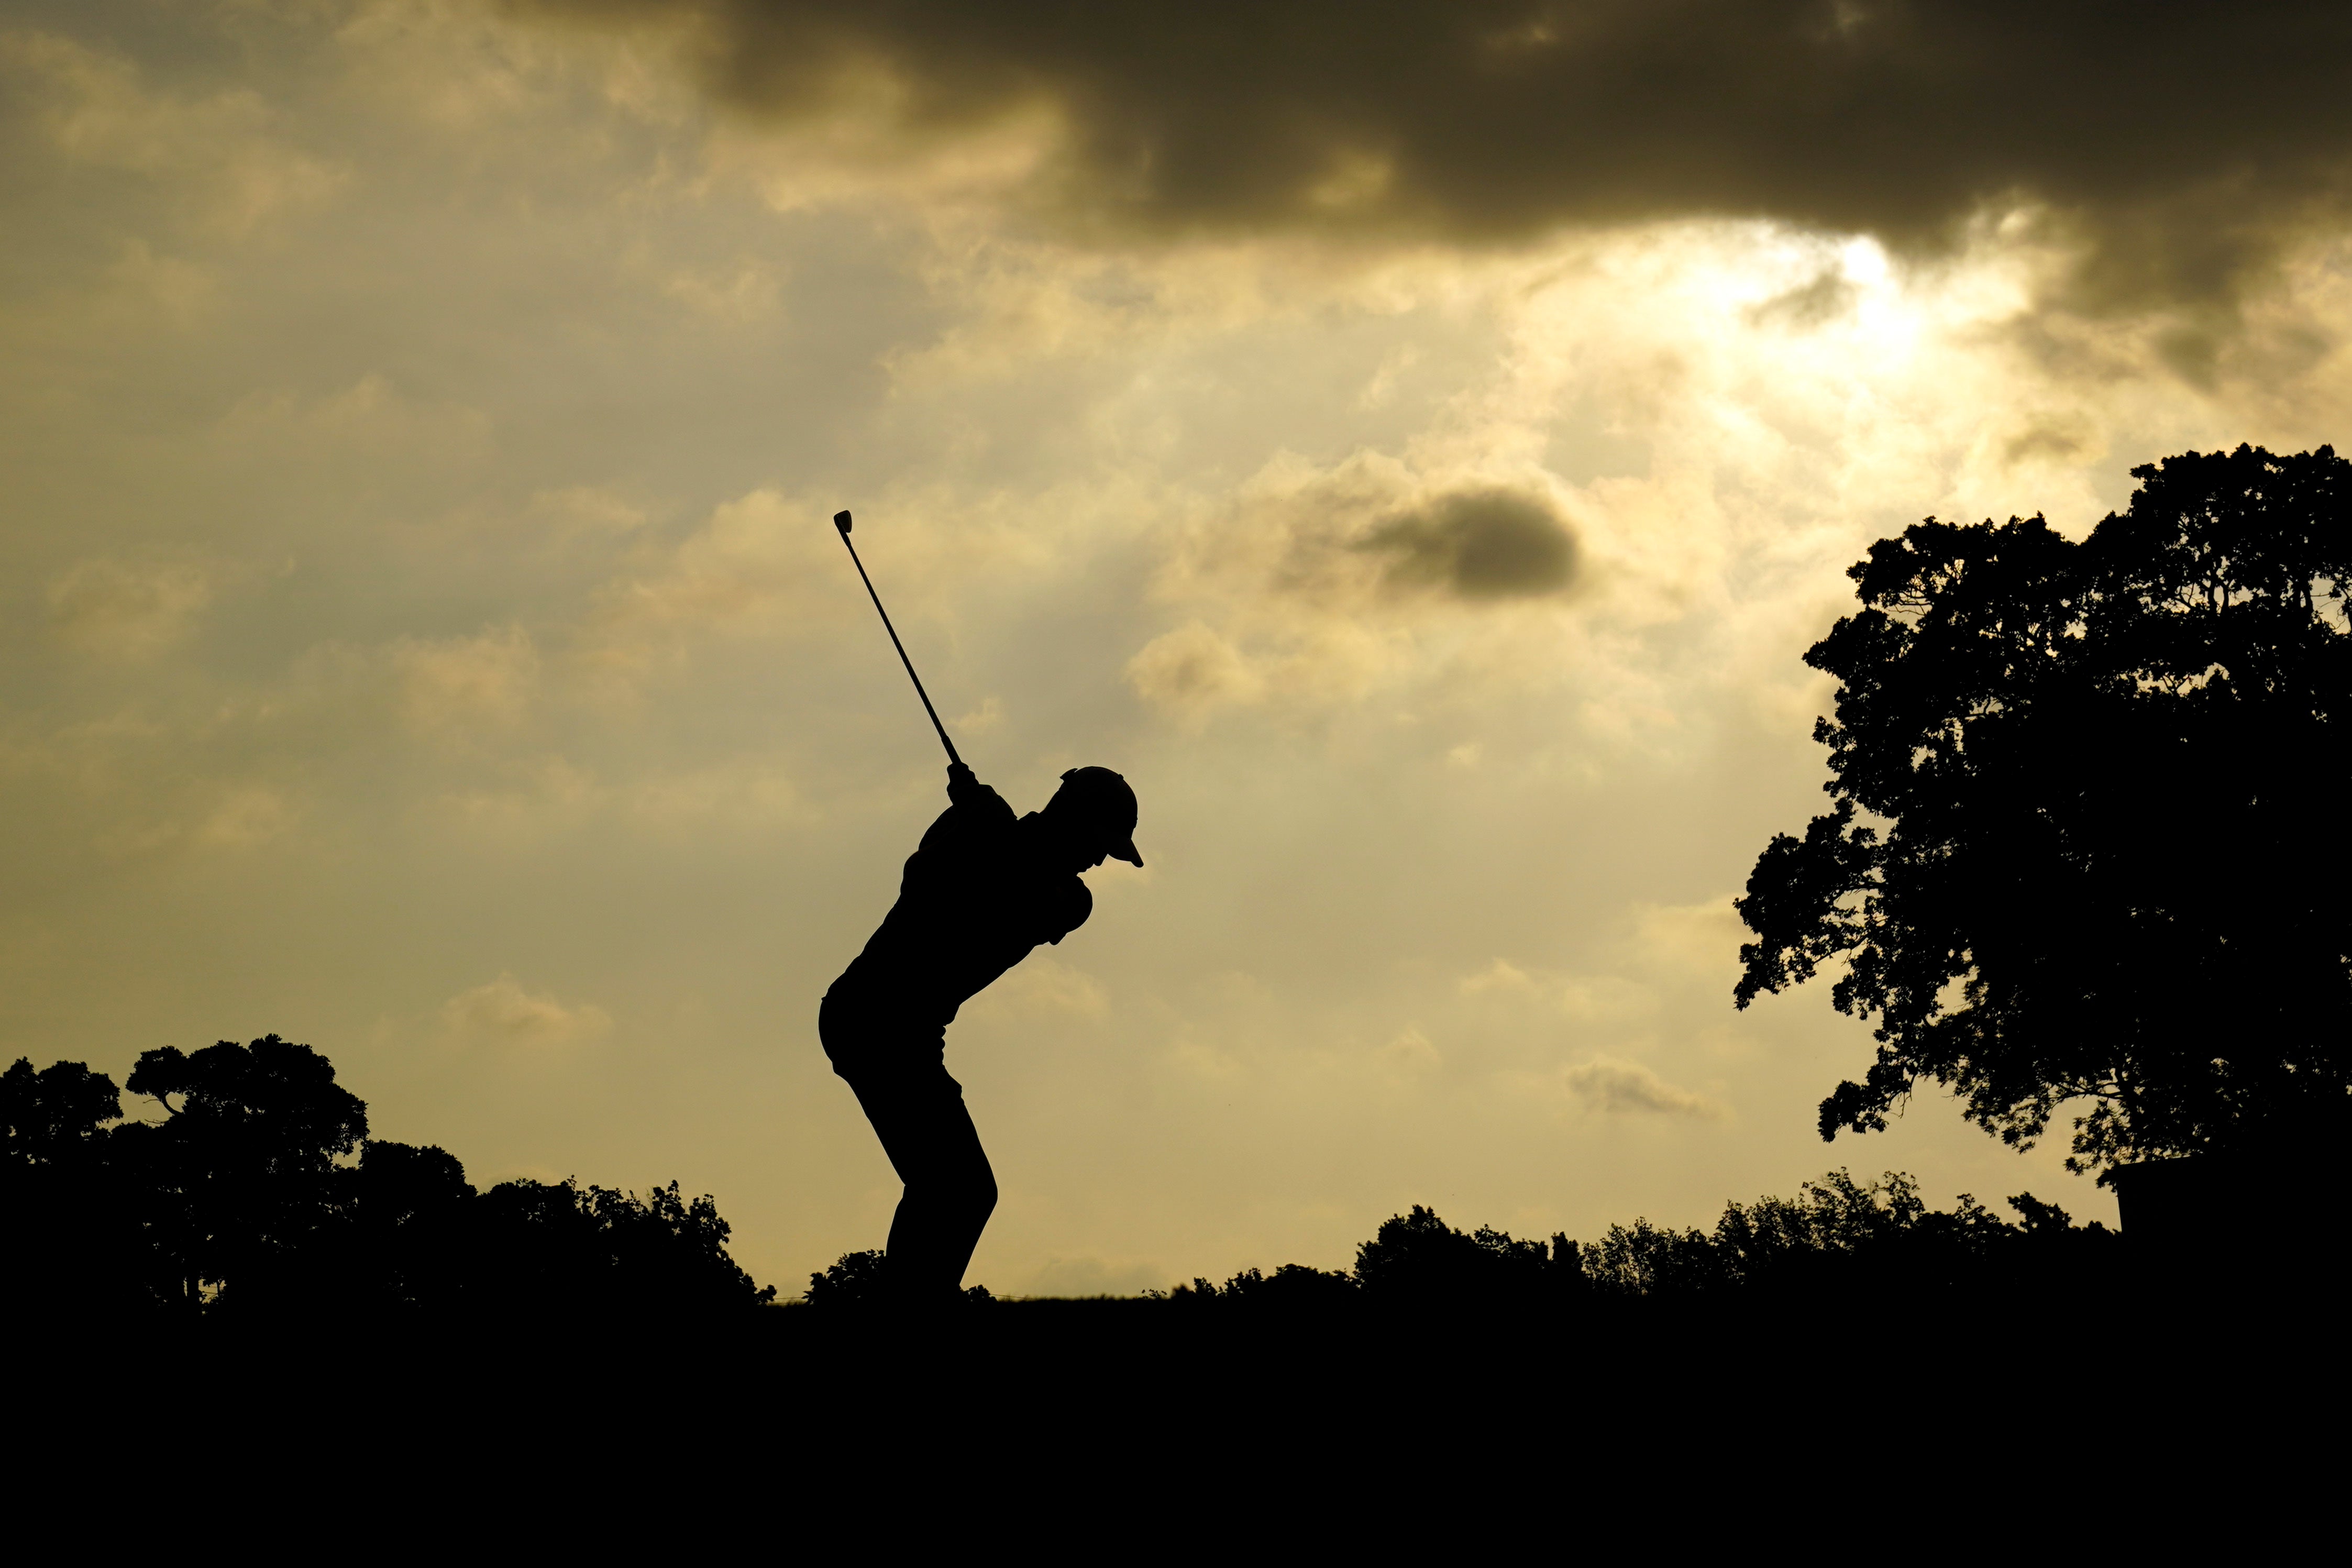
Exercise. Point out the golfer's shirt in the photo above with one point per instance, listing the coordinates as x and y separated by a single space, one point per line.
978 894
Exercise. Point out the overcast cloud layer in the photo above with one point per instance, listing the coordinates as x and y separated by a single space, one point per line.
1418 469
2181 141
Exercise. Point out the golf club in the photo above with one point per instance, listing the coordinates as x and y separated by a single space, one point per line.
841 521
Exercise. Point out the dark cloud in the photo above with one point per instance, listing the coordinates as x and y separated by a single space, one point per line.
1817 303
2056 441
1481 544
2177 139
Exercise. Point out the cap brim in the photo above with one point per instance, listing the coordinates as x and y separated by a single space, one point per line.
1127 852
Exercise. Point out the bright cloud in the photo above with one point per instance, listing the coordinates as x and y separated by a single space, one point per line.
501 1010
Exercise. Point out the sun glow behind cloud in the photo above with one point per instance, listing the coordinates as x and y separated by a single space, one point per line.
423 433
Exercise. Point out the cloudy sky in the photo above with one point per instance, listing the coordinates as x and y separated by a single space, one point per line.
1414 443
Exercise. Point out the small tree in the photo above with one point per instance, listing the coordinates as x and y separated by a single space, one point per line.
2088 800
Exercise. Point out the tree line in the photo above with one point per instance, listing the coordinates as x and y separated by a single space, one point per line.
255 1192
1838 1235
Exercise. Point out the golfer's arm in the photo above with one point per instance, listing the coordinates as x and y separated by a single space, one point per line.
973 806
967 792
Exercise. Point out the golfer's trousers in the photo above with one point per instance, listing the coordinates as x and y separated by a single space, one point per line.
900 1074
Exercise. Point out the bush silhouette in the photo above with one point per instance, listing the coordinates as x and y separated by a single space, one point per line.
856 1277
861 1279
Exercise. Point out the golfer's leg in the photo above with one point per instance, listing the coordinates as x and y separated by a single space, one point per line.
950 1191
947 1201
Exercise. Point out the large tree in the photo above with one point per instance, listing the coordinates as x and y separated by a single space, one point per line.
242 1175
2086 842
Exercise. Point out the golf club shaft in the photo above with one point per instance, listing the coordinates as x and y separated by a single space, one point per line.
909 663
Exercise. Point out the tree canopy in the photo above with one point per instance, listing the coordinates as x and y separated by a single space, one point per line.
241 1174
2087 800
258 1192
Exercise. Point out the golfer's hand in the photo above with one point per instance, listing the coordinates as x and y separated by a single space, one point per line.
961 781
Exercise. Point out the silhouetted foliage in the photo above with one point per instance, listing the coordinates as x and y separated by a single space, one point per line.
244 1173
2081 793
71 1241
51 1115
558 1240
258 1196
1416 1257
856 1277
1837 1233
411 1242
862 1281
258 1192
1292 1286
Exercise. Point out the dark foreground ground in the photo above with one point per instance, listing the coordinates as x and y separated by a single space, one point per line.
1109 1428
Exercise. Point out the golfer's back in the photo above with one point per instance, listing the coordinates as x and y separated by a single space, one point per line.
976 896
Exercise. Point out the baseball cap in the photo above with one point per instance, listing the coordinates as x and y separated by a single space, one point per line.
1102 800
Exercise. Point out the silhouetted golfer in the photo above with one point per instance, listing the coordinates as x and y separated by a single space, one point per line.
980 891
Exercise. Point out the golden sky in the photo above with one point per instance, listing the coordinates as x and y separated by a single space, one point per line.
1414 443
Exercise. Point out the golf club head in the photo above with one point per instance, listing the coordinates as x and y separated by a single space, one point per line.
841 521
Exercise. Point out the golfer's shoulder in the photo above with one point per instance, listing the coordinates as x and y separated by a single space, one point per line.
976 813
976 804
